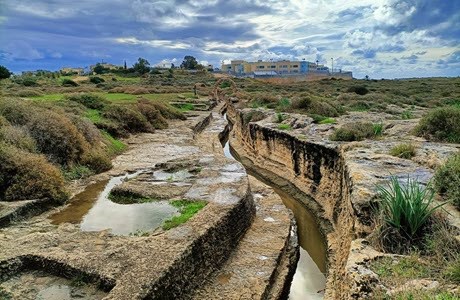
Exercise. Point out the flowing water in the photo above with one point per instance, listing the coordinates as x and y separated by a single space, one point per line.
93 210
309 280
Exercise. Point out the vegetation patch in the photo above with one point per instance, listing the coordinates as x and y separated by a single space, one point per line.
405 210
91 101
405 150
284 127
358 89
441 125
447 179
122 196
354 132
187 210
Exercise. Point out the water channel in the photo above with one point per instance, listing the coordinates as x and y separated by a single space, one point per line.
309 279
94 211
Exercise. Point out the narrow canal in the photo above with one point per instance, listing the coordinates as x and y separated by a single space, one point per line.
309 279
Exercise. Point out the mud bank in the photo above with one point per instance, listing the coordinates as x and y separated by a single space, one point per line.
337 182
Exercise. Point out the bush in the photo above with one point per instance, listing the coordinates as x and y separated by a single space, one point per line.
302 102
97 161
26 175
353 132
441 124
405 208
26 81
89 131
152 114
16 111
96 79
447 179
18 137
91 101
57 137
358 89
129 119
29 93
168 111
68 82
406 151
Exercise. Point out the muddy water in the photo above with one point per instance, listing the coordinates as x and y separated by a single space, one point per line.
93 211
309 279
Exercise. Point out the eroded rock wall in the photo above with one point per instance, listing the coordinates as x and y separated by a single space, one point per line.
317 171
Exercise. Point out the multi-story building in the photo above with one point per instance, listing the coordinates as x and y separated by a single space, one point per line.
282 67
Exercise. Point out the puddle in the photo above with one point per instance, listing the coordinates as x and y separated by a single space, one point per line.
95 212
309 278
41 286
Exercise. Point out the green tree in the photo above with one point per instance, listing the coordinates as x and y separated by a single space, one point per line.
99 69
4 72
189 63
142 66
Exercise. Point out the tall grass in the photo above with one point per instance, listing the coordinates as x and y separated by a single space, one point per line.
407 207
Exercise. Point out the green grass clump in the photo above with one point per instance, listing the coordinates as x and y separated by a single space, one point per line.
327 121
442 124
405 210
183 107
283 104
353 132
406 151
91 101
447 179
187 210
77 172
284 127
114 145
279 117
378 129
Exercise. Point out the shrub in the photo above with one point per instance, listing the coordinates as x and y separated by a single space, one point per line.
353 132
77 172
152 114
441 124
129 119
26 81
302 102
406 151
16 111
26 175
68 82
96 79
89 131
91 101
29 93
447 179
358 89
168 111
97 161
57 137
18 137
406 207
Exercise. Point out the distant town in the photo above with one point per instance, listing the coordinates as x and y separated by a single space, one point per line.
295 69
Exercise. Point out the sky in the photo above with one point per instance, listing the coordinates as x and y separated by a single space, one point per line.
379 38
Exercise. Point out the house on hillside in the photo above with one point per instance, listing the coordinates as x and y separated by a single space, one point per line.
72 71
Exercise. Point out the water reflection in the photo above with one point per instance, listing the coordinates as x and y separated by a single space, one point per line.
95 212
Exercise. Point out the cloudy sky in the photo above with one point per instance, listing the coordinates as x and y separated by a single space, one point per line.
380 38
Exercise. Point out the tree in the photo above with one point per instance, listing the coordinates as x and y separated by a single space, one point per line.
4 72
189 63
98 69
142 66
